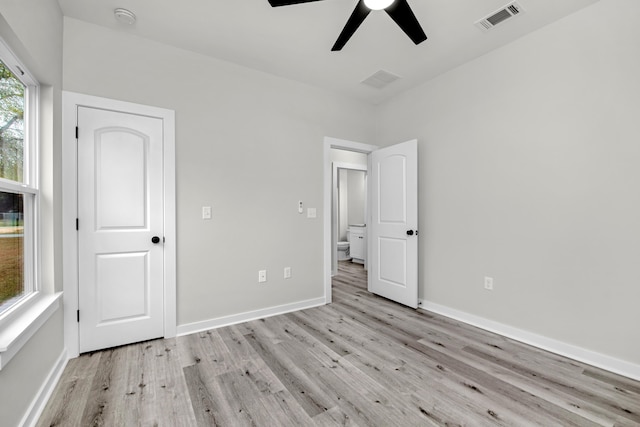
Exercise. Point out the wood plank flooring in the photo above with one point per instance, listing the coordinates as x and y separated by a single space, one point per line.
361 361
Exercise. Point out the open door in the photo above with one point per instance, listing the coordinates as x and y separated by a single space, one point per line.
393 234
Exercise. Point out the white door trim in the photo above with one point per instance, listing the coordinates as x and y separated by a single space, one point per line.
342 144
70 101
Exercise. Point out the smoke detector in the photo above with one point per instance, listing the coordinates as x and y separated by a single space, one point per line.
124 16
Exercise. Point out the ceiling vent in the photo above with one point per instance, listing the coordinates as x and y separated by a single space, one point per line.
501 15
380 79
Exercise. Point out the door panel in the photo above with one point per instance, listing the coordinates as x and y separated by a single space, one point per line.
392 191
121 179
122 286
392 260
393 272
120 190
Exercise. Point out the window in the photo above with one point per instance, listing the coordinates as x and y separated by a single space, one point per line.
18 182
24 307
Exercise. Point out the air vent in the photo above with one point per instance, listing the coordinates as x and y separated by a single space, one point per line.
501 15
380 79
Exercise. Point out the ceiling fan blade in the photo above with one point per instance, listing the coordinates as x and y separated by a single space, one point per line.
401 12
276 3
359 13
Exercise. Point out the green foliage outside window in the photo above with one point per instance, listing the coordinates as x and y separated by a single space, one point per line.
11 125
12 98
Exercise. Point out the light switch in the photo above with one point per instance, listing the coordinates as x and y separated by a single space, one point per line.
206 212
311 212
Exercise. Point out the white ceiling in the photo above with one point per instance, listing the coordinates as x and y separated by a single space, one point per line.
295 41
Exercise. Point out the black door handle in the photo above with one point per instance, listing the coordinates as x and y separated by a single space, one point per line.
409 232
155 239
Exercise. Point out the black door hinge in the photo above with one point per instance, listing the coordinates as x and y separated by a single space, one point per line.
77 224
78 315
76 132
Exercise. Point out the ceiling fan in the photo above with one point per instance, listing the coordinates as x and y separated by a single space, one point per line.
398 10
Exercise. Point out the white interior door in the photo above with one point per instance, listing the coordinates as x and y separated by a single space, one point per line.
120 212
393 234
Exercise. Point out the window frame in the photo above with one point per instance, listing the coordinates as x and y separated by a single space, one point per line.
29 311
29 187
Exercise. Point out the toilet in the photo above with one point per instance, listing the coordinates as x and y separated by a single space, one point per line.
343 251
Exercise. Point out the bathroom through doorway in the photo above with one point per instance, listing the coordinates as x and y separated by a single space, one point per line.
346 206
349 212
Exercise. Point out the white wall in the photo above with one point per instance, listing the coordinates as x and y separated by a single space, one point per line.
357 196
248 144
33 30
343 204
351 200
529 172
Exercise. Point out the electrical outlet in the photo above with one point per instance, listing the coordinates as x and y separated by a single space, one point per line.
287 272
206 212
488 283
262 276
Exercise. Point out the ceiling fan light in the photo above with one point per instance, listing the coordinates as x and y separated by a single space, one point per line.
378 4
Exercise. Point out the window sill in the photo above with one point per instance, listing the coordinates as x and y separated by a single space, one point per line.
21 328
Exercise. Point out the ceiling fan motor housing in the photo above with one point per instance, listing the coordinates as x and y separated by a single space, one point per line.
398 10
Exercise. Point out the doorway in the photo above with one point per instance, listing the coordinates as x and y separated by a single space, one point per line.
392 216
349 208
119 234
347 155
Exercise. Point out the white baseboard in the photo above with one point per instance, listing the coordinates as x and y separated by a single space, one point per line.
42 397
580 354
233 319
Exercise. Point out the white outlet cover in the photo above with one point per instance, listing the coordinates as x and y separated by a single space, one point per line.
311 212
206 212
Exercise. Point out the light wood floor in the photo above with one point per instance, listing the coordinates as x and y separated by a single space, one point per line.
361 361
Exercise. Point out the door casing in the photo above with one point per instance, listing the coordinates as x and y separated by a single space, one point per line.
70 102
